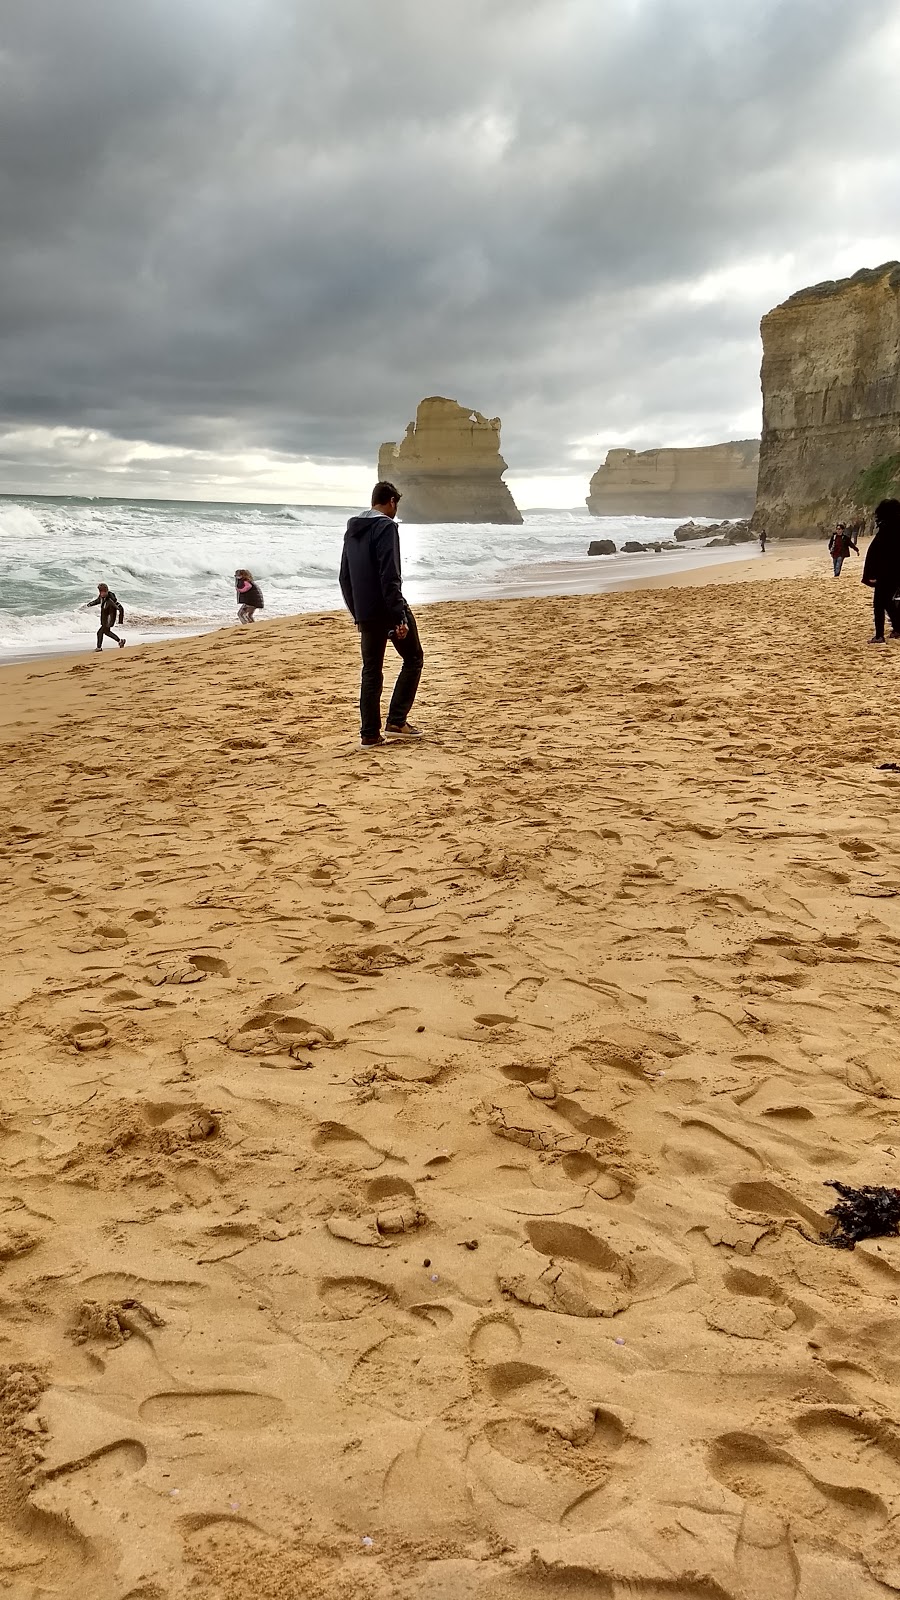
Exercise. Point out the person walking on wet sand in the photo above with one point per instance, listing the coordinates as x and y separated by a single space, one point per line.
763 536
110 612
840 544
881 569
371 585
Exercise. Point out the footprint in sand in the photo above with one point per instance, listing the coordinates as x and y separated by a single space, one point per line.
566 1268
757 1471
102 1468
842 1443
766 1199
702 1147
754 1307
541 1400
186 969
211 1410
89 1036
345 1299
395 1204
495 1338
764 1556
527 990
343 1144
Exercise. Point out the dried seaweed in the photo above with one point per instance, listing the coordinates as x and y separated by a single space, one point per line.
867 1213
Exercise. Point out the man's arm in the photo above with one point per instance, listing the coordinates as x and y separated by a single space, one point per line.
95 602
387 561
344 581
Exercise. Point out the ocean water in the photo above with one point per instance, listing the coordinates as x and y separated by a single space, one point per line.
171 563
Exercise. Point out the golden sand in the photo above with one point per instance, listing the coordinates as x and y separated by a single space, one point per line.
413 1161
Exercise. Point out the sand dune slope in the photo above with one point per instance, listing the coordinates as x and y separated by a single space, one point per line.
413 1162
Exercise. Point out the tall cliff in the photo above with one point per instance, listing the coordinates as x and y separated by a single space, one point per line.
831 403
714 480
448 467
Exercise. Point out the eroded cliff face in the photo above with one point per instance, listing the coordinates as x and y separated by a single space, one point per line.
448 467
716 480
831 403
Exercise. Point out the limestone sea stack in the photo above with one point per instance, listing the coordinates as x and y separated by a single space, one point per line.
714 480
831 403
448 467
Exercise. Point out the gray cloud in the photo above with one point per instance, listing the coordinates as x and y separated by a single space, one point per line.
277 224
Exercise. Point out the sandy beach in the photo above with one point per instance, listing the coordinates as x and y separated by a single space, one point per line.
414 1161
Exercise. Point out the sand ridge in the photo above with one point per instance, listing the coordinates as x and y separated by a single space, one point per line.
412 1161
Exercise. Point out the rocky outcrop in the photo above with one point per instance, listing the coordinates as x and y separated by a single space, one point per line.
725 532
831 403
602 547
714 480
448 467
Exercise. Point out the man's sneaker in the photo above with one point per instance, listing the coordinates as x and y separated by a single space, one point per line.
122 644
877 638
406 732
371 744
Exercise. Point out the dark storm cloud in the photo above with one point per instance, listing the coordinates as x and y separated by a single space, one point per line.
279 223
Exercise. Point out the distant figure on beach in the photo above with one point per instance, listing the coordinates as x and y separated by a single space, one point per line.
110 612
842 541
249 595
881 569
371 585
763 536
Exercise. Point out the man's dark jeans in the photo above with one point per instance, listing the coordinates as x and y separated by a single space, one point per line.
373 638
883 601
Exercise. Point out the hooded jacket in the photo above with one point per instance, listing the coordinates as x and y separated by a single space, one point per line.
370 570
882 563
110 610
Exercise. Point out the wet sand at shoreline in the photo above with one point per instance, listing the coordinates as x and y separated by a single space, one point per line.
413 1161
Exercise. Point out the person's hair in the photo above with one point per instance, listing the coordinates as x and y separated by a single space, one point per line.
383 492
243 573
887 517
103 586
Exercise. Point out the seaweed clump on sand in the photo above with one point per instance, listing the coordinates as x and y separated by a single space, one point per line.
867 1213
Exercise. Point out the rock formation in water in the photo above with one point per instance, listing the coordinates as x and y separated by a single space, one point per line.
716 532
448 467
714 480
831 403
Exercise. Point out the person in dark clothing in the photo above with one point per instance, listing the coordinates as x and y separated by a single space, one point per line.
881 569
842 541
371 585
248 593
763 536
110 612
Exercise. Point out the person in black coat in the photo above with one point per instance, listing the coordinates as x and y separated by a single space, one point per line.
371 585
881 569
110 612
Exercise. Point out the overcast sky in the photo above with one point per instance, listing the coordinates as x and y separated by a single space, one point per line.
242 238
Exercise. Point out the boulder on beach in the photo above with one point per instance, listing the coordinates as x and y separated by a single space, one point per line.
602 547
632 547
448 466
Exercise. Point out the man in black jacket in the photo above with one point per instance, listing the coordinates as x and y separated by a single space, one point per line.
110 612
370 584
